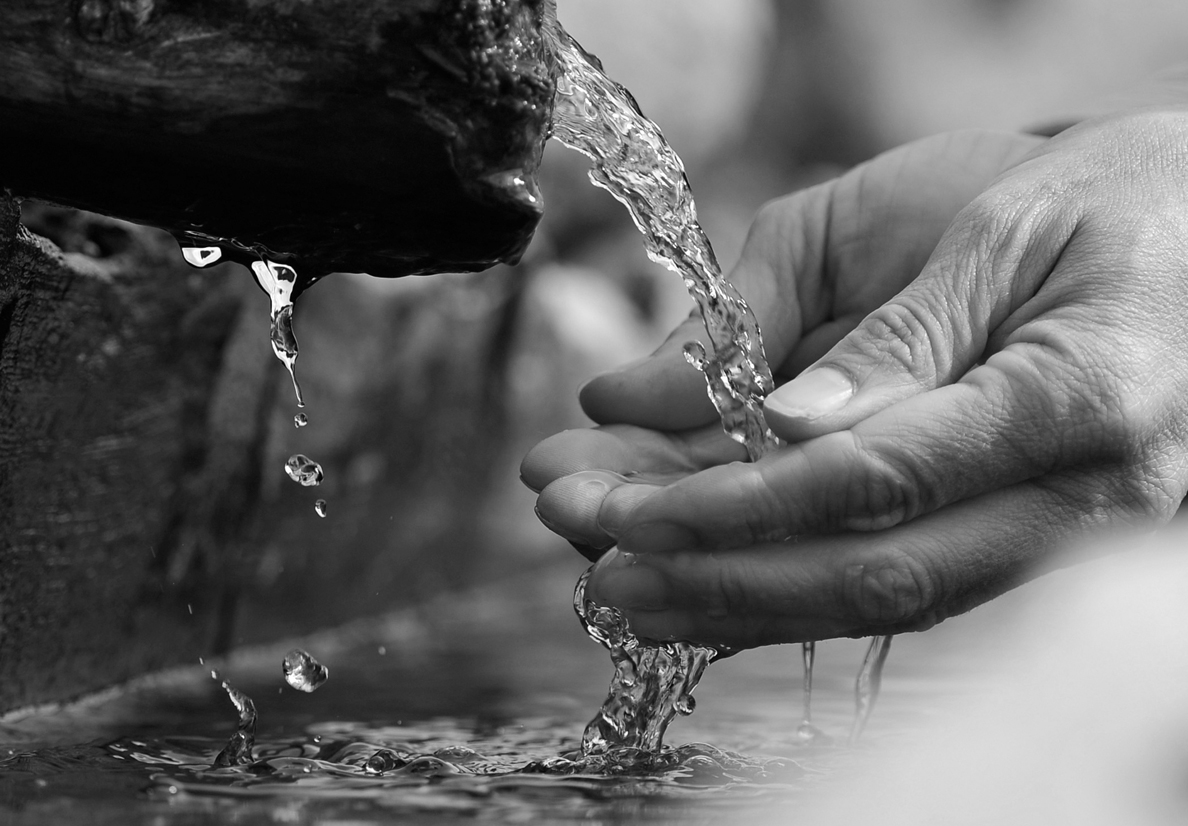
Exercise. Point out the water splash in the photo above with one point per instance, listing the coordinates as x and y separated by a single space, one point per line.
238 751
303 672
304 470
652 684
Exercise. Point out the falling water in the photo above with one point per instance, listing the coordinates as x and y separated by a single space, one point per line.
633 161
866 688
276 280
652 683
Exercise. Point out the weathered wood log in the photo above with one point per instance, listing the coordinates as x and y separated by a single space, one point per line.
130 452
381 136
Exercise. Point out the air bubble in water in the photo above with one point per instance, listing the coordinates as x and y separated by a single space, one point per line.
304 470
300 420
303 672
201 256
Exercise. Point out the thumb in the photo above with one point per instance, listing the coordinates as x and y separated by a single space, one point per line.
783 253
991 260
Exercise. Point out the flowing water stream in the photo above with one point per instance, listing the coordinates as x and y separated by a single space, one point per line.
632 160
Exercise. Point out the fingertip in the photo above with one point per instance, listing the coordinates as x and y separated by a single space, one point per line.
569 506
660 391
620 580
797 409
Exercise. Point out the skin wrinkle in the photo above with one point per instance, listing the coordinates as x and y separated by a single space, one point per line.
888 492
894 590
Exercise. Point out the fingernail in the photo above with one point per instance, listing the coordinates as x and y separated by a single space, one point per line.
621 581
657 537
811 395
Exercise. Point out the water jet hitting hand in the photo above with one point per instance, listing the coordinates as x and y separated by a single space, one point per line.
633 161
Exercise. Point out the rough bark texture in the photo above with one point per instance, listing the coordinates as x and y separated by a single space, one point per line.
145 517
142 435
121 430
381 136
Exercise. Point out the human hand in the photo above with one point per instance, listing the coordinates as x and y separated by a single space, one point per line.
1024 389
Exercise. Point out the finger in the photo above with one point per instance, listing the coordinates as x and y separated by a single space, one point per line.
992 259
627 450
591 480
785 245
661 391
589 507
904 579
1030 409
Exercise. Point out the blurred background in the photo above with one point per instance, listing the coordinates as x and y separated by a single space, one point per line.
425 393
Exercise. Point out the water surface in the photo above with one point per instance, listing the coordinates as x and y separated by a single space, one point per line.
473 688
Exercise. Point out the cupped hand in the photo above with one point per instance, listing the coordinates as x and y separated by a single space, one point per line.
993 367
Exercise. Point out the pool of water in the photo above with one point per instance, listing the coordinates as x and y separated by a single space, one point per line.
467 695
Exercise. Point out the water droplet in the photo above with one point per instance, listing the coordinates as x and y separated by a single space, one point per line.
190 608
695 354
320 508
382 650
382 761
303 672
300 420
201 256
685 705
304 470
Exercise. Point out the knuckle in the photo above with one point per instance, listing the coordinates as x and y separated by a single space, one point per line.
883 492
909 336
735 593
895 589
